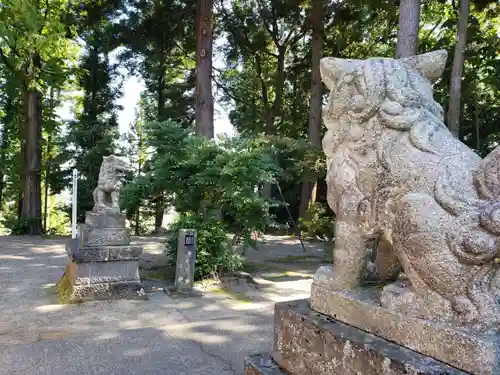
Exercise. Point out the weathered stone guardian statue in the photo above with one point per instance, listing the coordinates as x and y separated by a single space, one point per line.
102 262
397 175
398 179
107 192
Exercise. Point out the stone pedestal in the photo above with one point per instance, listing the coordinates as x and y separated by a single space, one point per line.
468 349
309 343
102 264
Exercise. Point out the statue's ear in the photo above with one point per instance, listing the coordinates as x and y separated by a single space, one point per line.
332 68
430 65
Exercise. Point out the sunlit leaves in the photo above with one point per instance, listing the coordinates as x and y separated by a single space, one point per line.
35 42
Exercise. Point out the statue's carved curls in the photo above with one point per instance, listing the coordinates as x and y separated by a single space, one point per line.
107 192
432 201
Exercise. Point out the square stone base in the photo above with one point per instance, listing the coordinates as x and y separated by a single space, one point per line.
262 364
89 236
70 293
308 343
105 219
100 280
468 350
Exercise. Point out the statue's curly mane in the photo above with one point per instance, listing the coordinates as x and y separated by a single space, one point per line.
399 97
109 179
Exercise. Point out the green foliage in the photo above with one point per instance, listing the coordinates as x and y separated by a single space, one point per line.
214 184
94 133
36 44
318 222
17 226
59 223
214 253
265 86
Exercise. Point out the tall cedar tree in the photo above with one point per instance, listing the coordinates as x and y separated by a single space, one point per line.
204 41
94 133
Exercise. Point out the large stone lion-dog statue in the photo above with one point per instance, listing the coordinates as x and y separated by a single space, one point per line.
396 174
107 192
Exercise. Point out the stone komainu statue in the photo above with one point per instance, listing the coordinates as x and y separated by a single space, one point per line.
107 192
397 175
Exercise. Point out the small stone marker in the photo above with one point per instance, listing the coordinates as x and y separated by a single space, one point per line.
186 258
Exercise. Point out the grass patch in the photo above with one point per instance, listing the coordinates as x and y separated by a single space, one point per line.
293 258
164 273
292 274
206 283
239 296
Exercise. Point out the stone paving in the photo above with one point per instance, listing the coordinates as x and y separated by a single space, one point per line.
207 335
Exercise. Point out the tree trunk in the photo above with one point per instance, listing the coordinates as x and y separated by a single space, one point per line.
278 88
204 99
409 20
137 218
1 187
453 115
9 108
477 125
138 212
159 209
32 200
3 150
48 162
159 203
46 212
307 197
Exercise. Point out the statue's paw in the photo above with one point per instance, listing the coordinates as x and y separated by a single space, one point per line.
326 277
401 297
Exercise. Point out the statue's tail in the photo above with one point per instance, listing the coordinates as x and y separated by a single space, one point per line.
477 243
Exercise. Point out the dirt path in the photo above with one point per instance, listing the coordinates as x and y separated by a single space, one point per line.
212 334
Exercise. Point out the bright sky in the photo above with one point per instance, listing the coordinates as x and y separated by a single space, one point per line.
132 89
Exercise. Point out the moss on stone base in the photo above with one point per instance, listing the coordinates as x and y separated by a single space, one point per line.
64 289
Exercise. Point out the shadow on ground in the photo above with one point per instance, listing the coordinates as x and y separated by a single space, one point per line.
207 335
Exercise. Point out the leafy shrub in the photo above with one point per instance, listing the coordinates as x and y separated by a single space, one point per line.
17 227
214 253
59 223
213 184
318 222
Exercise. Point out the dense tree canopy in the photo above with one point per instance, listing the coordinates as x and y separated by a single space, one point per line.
77 54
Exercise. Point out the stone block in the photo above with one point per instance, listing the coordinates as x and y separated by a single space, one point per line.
89 237
125 252
100 281
90 254
105 219
102 272
98 291
127 290
186 258
466 349
261 364
106 253
108 291
71 246
309 343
